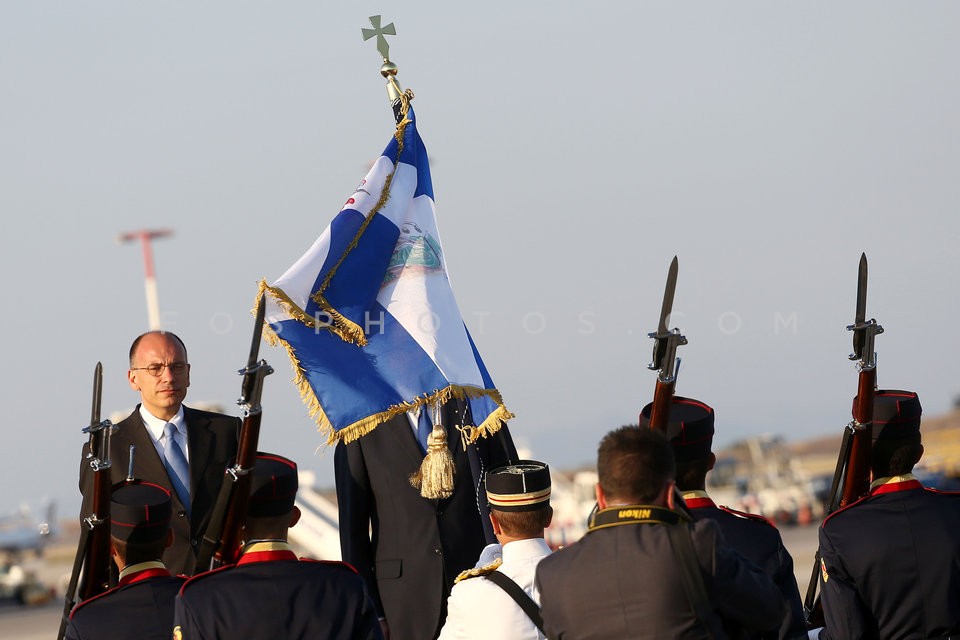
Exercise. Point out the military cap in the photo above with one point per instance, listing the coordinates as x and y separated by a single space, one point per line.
896 414
139 512
273 488
690 430
523 486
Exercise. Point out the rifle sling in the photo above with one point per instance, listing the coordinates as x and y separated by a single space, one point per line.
519 596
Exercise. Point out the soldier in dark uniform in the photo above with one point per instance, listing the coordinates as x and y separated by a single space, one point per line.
644 570
891 562
141 606
755 537
270 593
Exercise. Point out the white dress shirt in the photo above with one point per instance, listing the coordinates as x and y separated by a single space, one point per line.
155 426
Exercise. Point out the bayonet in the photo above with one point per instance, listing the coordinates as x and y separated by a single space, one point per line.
666 341
864 331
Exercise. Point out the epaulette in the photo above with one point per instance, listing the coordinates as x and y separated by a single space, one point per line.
200 576
479 571
80 605
842 509
747 516
332 563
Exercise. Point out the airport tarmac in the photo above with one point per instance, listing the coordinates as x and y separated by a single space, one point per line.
42 622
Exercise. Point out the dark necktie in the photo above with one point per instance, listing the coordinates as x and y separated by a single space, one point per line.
424 427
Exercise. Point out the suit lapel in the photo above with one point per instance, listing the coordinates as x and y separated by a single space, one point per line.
401 433
200 441
147 462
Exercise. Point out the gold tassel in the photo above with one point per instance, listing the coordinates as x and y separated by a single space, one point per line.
435 477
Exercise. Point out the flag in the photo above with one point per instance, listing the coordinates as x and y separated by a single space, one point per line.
367 314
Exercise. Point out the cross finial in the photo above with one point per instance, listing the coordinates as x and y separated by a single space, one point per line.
379 32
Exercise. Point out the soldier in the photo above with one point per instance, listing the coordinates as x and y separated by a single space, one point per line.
644 570
270 593
141 606
890 563
755 537
519 500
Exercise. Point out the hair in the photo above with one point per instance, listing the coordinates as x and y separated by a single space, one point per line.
634 465
136 342
894 457
136 552
267 526
524 524
692 474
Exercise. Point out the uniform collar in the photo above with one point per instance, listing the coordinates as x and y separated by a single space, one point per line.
697 499
141 571
266 551
890 484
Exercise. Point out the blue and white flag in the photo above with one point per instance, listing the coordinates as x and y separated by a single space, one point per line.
368 315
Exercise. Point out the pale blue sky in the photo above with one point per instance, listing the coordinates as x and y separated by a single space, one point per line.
576 146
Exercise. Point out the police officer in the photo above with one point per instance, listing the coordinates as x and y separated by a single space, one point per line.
890 563
500 600
691 436
141 606
270 593
644 570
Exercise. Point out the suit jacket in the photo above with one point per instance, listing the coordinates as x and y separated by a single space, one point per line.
758 541
622 582
141 608
271 596
891 565
417 546
212 443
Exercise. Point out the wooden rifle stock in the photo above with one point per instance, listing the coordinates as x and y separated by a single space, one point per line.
856 480
91 566
660 411
221 540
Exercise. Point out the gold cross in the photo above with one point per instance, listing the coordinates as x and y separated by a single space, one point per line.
379 32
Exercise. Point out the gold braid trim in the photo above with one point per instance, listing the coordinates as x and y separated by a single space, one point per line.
362 427
343 327
479 571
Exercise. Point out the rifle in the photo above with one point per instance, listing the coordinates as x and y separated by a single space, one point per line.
91 565
221 540
851 477
665 359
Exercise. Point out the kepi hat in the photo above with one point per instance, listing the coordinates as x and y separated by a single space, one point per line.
523 486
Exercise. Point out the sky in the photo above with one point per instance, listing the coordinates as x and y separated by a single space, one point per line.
575 148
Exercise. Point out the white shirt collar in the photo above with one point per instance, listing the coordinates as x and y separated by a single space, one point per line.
524 549
155 425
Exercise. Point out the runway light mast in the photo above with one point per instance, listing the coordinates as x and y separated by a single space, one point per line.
145 236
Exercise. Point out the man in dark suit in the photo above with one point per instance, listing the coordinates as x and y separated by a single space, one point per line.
271 594
184 450
890 563
141 606
418 546
691 436
644 569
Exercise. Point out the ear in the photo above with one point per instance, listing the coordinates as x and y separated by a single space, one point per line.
132 379
295 516
713 461
550 519
919 453
601 499
497 529
670 498
169 542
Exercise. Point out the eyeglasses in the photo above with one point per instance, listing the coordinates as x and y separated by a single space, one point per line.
156 369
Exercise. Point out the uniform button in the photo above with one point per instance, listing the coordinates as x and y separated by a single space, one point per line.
438 552
182 514
193 541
